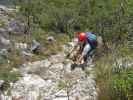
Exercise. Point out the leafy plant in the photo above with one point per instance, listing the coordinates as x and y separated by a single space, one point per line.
123 84
62 84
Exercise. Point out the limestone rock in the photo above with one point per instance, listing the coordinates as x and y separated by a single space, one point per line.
50 39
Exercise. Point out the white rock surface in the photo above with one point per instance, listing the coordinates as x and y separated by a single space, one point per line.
42 83
45 83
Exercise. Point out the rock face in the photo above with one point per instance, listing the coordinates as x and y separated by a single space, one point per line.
4 43
52 79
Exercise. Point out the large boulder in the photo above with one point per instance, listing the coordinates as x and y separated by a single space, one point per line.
35 46
4 33
21 46
31 87
100 41
50 39
4 43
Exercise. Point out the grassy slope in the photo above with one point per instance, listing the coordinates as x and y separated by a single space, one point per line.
110 82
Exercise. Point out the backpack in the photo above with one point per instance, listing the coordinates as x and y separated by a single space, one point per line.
92 39
91 36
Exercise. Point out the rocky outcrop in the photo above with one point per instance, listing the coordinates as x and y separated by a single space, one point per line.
52 79
4 41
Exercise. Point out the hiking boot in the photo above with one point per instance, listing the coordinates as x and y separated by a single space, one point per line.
73 66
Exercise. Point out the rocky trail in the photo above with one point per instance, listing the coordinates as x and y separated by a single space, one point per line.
52 79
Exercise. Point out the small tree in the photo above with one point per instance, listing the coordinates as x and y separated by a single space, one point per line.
28 10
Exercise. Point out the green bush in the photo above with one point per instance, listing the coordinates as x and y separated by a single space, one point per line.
6 75
115 85
123 84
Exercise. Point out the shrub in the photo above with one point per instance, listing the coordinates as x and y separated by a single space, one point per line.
115 85
123 84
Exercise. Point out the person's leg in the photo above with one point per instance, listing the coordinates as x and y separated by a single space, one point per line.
86 50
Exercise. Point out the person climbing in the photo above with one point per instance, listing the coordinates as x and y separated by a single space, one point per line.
87 42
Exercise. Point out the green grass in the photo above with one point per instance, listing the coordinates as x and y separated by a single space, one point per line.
62 84
2 23
7 76
114 85
123 84
103 76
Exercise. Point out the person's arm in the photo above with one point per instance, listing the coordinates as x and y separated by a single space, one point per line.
81 59
86 49
76 43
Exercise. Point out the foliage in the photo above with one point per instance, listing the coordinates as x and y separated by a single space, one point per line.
62 84
2 23
109 18
7 64
8 76
115 80
123 84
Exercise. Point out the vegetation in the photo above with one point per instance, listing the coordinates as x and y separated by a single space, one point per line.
112 19
123 84
114 79
7 63
109 18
